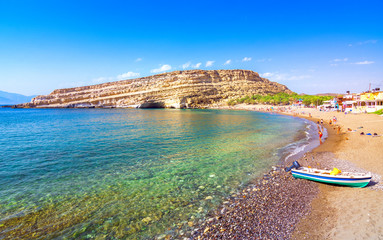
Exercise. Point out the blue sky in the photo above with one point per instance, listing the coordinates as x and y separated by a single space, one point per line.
310 46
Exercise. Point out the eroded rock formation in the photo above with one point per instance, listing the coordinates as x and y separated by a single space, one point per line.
178 89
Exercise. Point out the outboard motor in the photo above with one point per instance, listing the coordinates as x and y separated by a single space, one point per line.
295 165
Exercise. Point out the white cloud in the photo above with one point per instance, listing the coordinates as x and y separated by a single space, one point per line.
99 80
128 75
246 59
227 62
372 41
334 64
340 60
75 84
138 60
298 77
365 62
197 65
267 74
103 79
284 76
119 77
163 68
186 65
209 63
263 60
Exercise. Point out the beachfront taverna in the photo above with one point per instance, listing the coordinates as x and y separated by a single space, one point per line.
365 102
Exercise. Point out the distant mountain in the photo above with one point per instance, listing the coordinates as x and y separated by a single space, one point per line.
7 98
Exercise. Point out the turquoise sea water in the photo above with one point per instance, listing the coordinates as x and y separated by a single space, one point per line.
128 173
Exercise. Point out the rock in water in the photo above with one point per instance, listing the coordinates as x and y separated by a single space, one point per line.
178 89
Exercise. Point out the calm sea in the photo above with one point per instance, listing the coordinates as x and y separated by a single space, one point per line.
129 173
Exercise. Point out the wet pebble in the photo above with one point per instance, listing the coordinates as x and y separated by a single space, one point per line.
268 209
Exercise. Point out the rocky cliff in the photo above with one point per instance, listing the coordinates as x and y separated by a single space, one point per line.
179 89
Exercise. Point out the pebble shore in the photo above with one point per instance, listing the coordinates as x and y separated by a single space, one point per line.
268 208
315 211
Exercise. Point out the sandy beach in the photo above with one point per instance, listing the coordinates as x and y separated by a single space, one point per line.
341 212
334 212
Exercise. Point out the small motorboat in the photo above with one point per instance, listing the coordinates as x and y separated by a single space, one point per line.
334 176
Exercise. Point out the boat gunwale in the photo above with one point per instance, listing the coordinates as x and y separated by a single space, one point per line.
351 177
356 183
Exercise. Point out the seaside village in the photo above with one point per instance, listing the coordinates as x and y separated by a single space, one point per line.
366 102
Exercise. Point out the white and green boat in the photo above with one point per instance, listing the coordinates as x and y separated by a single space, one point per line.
349 179
335 176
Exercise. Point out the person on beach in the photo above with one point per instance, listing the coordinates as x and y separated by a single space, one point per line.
320 137
319 126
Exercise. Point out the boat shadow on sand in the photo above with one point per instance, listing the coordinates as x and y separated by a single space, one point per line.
372 183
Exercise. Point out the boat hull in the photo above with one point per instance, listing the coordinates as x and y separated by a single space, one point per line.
358 182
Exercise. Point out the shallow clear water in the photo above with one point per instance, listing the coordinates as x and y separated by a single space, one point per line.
128 173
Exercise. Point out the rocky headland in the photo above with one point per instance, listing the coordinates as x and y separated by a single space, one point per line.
178 89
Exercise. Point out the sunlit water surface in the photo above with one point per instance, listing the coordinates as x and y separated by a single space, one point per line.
128 173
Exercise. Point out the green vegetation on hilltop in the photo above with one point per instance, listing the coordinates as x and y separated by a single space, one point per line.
280 99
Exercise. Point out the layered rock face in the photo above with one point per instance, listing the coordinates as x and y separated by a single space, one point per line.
178 89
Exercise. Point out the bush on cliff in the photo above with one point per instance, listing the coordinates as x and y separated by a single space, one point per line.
280 99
